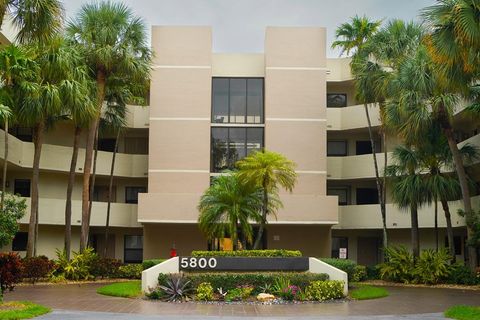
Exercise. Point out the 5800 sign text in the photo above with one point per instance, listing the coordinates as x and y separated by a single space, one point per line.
197 263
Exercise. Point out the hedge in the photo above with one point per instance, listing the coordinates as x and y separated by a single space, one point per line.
151 262
343 264
248 253
228 281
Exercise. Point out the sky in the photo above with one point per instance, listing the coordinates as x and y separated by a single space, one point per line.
239 25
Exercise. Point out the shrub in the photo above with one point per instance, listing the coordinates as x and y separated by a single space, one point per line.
235 294
14 209
324 290
372 273
359 273
130 271
284 289
229 281
460 274
248 253
176 288
36 268
204 291
146 264
398 265
246 290
11 270
343 264
432 266
105 267
79 267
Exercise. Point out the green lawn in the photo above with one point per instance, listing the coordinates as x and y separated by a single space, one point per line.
129 289
364 292
463 313
21 310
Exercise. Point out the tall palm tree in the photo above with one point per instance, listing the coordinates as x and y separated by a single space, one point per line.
36 20
114 42
5 114
352 36
453 46
228 207
268 170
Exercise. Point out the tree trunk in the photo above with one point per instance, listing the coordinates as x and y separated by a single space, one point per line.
436 224
5 163
94 174
448 219
462 178
110 187
71 182
414 232
377 179
32 228
383 203
261 228
88 162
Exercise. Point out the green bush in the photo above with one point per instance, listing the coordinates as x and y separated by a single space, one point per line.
359 273
235 294
77 268
130 271
204 291
146 264
373 273
461 274
229 281
343 264
398 265
324 290
248 253
432 267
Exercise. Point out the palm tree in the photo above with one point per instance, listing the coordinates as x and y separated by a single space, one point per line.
409 189
36 20
5 114
453 46
114 42
228 207
268 170
354 36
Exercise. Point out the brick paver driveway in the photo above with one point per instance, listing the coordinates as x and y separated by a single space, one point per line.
402 301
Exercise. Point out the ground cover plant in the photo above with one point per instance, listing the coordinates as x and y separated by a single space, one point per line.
129 289
364 292
248 253
463 313
21 310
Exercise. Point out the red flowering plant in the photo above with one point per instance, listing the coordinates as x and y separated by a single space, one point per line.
11 270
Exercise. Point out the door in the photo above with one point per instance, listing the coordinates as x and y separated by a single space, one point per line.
368 251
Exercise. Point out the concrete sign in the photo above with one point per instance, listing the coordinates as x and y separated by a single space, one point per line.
243 264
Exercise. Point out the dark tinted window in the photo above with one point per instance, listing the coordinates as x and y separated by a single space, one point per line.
22 187
337 148
237 100
106 144
342 193
337 244
365 147
232 144
22 133
367 196
131 194
19 242
336 100
133 250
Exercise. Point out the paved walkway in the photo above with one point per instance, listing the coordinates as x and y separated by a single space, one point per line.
402 301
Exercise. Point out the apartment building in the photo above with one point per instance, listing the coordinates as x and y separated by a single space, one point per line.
208 110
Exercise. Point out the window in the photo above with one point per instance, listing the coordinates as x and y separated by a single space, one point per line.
457 244
136 145
343 194
232 144
106 144
131 194
336 100
237 100
22 133
337 244
337 148
365 147
100 193
19 242
22 187
133 250
367 196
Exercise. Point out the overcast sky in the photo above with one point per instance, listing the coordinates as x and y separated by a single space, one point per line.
239 25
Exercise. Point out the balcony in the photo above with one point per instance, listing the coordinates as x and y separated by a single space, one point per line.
352 117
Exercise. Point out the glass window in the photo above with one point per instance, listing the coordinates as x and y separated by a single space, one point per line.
133 250
337 148
340 245
237 100
19 242
131 194
22 133
232 144
336 100
106 144
22 187
367 196
365 147
100 193
136 145
342 193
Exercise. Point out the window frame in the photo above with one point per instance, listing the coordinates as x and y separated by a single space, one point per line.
134 187
348 193
344 94
125 249
29 187
262 113
338 155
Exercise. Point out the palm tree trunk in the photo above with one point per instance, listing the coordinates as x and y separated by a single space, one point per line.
414 232
110 187
88 162
5 163
462 178
377 179
448 219
436 224
383 203
261 228
33 225
71 182
94 174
